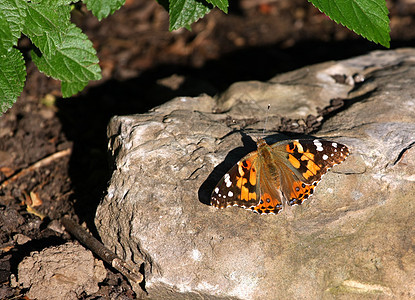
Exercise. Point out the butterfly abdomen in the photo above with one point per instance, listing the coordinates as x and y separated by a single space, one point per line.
269 166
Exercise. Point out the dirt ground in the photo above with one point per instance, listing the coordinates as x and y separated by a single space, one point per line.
59 145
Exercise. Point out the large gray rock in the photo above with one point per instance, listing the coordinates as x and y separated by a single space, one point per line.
354 238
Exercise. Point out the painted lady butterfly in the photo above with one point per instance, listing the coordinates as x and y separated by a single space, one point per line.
273 176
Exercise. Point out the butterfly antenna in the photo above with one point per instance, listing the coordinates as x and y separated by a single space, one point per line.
266 120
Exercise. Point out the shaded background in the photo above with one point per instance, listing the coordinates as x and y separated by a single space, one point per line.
145 65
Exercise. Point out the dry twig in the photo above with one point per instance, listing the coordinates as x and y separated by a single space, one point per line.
43 162
99 249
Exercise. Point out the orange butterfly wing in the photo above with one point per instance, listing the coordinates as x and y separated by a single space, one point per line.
287 171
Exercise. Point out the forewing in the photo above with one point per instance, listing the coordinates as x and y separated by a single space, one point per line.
239 186
304 164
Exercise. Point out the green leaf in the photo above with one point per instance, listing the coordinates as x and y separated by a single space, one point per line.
65 2
74 62
103 8
368 18
12 77
185 12
71 88
6 37
12 14
46 24
221 4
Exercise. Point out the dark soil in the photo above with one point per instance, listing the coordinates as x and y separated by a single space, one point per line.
60 144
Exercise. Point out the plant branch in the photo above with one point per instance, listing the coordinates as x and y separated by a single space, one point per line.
128 270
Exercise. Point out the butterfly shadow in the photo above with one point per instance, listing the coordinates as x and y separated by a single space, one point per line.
230 160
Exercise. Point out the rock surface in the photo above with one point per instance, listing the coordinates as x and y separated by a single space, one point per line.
354 238
61 272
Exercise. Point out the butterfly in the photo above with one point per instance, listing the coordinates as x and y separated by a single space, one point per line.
273 176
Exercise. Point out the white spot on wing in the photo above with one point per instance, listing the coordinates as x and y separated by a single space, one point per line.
228 182
216 190
318 145
334 145
230 194
325 157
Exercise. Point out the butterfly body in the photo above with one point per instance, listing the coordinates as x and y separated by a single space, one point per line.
277 175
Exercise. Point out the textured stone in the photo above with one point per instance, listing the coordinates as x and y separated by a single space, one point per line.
62 272
354 238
